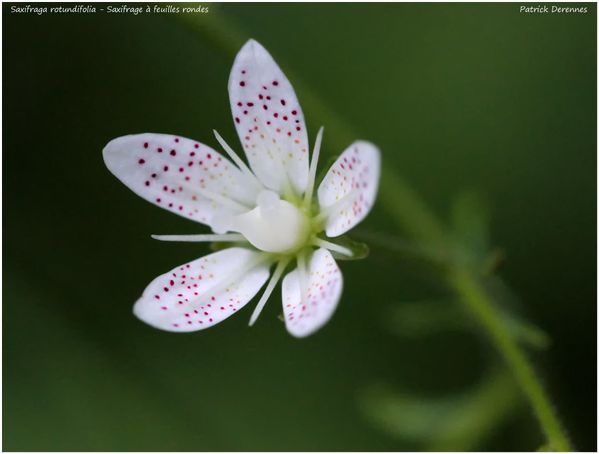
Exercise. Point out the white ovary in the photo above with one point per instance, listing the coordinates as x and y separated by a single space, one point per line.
275 225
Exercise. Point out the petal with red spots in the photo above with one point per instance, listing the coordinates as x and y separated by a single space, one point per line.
180 175
204 292
323 290
349 188
269 119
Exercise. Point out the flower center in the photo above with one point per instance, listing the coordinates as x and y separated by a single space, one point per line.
275 225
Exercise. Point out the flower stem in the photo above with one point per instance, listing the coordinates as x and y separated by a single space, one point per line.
412 215
481 306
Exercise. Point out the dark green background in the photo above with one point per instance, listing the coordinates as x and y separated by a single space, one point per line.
461 96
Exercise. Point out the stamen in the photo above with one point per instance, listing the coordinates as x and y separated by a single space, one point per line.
313 165
269 288
332 246
237 160
339 205
222 200
286 188
200 238
303 277
237 274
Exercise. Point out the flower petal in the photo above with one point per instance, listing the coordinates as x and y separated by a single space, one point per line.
204 292
180 175
349 188
269 119
323 290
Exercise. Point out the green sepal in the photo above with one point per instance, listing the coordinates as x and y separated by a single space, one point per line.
359 250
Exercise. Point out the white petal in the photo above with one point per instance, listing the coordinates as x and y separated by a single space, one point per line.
180 175
349 188
269 119
324 287
204 292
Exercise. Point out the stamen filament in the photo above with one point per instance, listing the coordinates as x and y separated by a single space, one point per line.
313 165
200 238
269 288
237 160
303 277
237 274
222 200
332 246
339 205
286 188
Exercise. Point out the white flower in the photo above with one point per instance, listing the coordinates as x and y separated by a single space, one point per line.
267 210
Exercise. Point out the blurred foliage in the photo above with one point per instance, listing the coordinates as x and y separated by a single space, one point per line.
455 95
458 422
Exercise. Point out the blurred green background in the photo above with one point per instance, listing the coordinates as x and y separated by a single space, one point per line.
457 96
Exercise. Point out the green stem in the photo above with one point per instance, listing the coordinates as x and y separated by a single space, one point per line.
413 216
481 306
